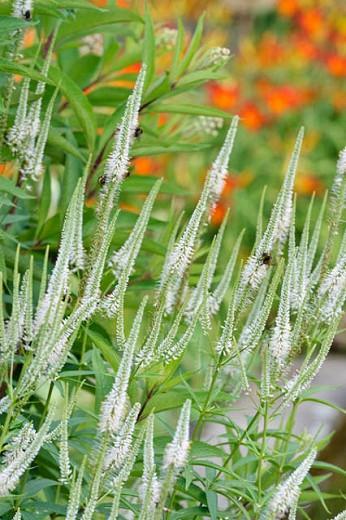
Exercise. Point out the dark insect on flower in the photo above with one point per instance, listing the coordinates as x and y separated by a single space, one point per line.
138 131
102 180
266 259
27 15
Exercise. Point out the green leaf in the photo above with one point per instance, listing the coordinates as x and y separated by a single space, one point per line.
86 24
72 172
45 200
144 183
325 403
34 486
212 503
55 139
166 401
10 67
170 148
149 47
103 380
329 467
10 23
190 512
105 346
72 4
108 96
203 449
193 47
177 52
78 102
195 110
7 186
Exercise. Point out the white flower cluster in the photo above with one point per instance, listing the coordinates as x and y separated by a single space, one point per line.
28 136
281 337
256 268
207 125
215 57
91 44
179 258
287 494
340 516
332 291
20 454
177 451
150 487
22 9
115 405
165 38
117 162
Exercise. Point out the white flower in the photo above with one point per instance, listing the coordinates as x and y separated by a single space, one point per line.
114 406
21 7
215 57
117 162
288 492
332 291
340 516
22 452
91 44
122 441
165 38
177 451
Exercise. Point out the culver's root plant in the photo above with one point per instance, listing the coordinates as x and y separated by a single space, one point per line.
127 341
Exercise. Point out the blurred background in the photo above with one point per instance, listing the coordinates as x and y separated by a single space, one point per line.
288 68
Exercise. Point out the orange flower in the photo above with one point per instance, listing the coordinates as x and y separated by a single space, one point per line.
218 213
308 184
229 186
288 7
222 96
251 115
145 165
129 207
6 169
339 101
134 68
162 119
304 47
336 65
281 98
270 51
312 21
29 37
100 3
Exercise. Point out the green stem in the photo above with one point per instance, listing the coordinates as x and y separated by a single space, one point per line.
198 426
237 445
289 428
166 488
262 453
45 409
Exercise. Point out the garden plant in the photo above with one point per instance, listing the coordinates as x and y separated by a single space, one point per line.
129 337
